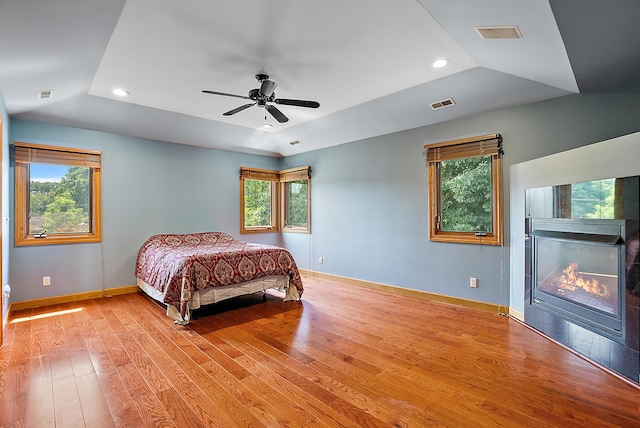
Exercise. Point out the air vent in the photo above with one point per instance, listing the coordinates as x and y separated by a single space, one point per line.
44 95
502 32
295 143
444 103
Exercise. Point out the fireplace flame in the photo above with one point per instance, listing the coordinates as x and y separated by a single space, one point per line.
572 280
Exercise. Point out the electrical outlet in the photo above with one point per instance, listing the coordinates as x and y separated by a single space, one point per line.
321 260
473 282
46 280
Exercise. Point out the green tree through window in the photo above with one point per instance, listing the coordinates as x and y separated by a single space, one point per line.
60 207
257 203
297 203
466 195
593 199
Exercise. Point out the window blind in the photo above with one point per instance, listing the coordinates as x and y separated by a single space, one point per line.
485 145
293 174
37 153
259 174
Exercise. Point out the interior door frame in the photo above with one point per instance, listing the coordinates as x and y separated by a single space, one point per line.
1 236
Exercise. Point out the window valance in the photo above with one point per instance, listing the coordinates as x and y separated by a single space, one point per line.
484 145
37 153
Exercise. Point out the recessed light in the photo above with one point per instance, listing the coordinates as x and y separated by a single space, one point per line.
267 125
120 92
439 63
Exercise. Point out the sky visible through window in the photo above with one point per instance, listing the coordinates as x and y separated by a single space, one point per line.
42 173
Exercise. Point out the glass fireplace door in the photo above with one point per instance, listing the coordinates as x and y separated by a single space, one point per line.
583 273
578 272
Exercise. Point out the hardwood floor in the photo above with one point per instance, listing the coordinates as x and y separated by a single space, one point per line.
343 356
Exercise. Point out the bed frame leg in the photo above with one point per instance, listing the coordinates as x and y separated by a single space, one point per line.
264 295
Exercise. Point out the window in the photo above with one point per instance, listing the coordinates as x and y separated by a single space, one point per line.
271 201
57 195
296 199
258 200
465 190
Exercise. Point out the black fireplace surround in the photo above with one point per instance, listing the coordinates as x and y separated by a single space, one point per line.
582 282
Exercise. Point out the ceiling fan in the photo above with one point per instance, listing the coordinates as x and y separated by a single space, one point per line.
263 95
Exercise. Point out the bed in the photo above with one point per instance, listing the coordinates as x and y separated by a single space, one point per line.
186 271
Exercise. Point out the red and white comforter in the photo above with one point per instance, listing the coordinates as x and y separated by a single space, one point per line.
179 264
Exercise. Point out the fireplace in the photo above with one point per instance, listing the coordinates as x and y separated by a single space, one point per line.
578 272
582 269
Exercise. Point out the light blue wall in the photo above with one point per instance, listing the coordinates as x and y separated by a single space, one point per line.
369 198
148 187
4 211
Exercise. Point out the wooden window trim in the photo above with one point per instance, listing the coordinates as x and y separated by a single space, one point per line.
456 149
295 174
266 175
278 181
26 153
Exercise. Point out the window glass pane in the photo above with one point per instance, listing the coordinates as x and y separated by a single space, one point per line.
466 199
593 199
59 199
257 203
296 203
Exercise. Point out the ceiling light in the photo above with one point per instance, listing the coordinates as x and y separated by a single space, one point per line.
439 63
267 125
120 92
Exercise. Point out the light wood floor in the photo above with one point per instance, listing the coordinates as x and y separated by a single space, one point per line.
344 356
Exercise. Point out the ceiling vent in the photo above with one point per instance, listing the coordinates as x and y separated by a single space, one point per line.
501 32
45 95
295 143
444 103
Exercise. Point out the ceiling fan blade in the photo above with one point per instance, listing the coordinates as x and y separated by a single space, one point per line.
244 97
267 87
298 103
238 109
276 113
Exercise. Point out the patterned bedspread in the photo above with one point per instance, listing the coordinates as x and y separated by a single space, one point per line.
179 264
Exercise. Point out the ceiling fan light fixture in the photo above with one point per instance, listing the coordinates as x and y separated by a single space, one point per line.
439 63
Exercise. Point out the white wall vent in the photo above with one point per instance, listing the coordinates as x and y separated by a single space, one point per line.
501 32
44 95
444 103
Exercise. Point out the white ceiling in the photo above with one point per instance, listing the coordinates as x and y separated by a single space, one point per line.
367 62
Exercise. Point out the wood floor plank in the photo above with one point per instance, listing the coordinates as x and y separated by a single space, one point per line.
215 404
344 356
68 410
95 409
